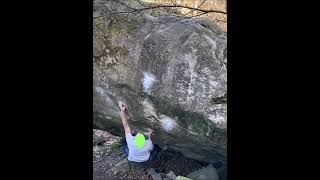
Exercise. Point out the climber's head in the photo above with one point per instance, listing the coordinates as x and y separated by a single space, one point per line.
139 140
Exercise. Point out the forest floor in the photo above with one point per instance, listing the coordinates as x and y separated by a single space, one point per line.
109 162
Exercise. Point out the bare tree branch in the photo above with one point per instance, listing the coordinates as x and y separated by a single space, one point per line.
199 14
188 17
124 4
174 2
134 10
169 6
122 12
197 7
180 6
140 3
221 20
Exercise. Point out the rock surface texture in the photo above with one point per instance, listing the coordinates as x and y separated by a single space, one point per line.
171 73
207 173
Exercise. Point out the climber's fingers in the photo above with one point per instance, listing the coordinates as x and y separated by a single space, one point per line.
122 107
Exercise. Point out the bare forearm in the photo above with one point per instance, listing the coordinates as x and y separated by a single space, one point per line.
125 122
124 119
149 133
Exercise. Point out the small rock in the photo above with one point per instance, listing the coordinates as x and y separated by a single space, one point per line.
124 161
207 173
171 175
182 178
151 171
222 172
154 174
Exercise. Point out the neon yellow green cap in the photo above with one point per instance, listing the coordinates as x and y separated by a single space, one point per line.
139 140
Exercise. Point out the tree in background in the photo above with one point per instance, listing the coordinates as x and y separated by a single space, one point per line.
215 10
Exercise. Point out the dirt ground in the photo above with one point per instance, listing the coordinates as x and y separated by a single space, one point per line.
110 163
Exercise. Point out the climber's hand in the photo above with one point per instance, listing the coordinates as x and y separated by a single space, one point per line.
122 107
150 131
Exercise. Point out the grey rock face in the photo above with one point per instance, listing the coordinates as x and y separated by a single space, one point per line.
170 72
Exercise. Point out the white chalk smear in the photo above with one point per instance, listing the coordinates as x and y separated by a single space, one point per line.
147 81
167 123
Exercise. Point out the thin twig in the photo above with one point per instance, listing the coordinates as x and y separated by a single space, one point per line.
197 7
221 20
140 3
124 4
183 18
170 6
187 7
123 12
165 6
199 14
174 2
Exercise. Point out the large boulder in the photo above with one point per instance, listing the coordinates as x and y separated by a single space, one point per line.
171 73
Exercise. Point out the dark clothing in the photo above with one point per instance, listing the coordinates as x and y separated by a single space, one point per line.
124 146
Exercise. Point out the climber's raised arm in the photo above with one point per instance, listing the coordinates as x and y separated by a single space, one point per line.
123 117
149 133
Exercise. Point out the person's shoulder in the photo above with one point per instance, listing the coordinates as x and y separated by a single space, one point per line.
129 139
129 136
149 142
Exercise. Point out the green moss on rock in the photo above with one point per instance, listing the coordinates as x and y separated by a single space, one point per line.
104 31
158 12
